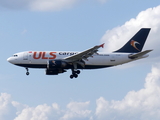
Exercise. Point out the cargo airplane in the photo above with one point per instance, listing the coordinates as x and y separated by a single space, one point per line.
55 62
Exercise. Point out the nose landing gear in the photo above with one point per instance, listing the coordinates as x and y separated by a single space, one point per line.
27 73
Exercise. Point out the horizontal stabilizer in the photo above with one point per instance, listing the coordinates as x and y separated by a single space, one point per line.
140 54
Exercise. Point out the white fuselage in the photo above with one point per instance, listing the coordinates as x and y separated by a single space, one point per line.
39 59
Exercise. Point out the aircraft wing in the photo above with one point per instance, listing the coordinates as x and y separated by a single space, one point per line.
140 54
84 55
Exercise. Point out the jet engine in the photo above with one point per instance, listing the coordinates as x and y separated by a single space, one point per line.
52 64
54 67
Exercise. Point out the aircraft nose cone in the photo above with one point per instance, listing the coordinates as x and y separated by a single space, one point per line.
9 60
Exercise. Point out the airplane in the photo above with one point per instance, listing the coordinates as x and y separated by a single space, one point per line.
56 62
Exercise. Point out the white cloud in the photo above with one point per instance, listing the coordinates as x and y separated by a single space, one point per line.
6 108
118 36
114 39
41 112
77 110
12 110
38 5
4 102
141 105
51 5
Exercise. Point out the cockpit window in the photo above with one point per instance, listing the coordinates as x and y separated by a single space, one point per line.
15 55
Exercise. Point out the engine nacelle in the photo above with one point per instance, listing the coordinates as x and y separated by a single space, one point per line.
52 64
54 71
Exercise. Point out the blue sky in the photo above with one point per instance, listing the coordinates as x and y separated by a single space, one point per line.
129 91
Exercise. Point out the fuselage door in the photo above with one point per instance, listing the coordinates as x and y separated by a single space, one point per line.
25 56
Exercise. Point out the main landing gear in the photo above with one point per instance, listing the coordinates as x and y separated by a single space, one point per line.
27 73
75 73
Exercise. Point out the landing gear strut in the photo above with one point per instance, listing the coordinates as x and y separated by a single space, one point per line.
75 73
27 73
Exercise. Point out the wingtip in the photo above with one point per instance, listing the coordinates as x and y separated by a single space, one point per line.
102 45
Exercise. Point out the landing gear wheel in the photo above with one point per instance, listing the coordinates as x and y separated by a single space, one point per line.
71 76
27 73
75 75
78 71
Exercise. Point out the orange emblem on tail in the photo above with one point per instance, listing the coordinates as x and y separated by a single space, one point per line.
133 43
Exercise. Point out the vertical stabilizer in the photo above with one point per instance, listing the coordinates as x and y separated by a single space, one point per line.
136 43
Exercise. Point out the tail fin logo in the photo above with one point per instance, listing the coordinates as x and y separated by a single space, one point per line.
133 43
